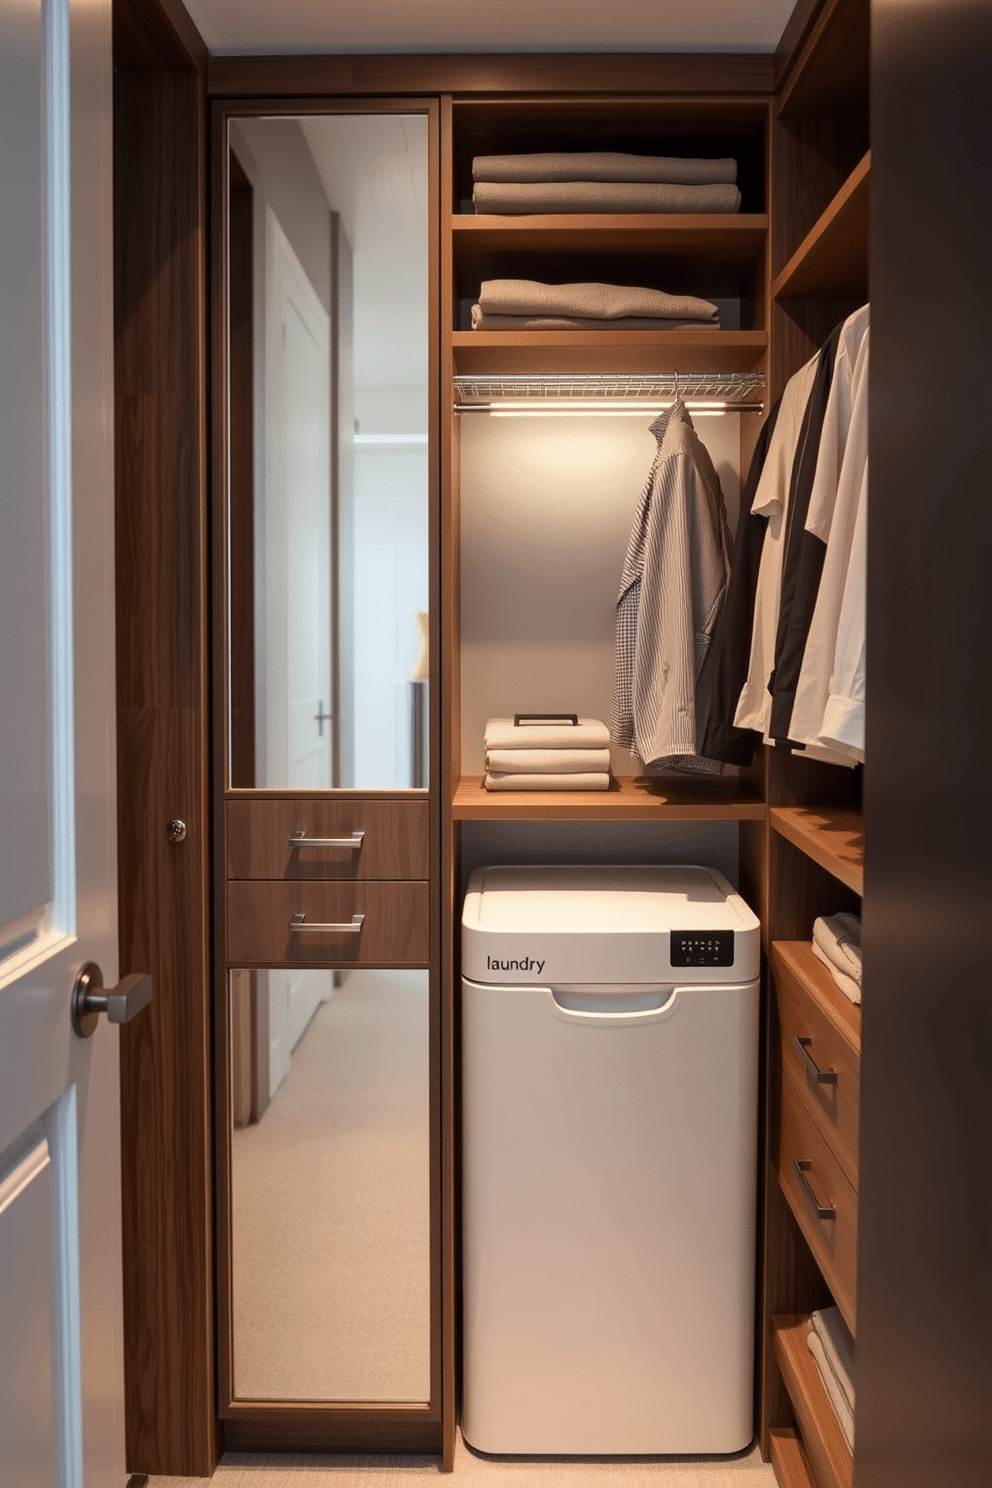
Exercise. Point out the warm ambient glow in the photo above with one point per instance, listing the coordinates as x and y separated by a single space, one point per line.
580 408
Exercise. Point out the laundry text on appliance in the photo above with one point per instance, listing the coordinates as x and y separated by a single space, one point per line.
527 964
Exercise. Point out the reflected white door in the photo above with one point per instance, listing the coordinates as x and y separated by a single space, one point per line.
297 567
61 1388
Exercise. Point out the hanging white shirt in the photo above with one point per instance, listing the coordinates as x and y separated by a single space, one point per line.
771 500
838 488
843 726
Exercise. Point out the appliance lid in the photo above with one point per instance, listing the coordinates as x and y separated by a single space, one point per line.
603 898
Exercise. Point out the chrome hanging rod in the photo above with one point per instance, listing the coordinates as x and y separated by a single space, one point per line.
607 392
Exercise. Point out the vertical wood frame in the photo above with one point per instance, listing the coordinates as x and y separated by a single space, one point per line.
304 1425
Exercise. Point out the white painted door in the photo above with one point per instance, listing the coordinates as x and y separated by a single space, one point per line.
61 1389
297 578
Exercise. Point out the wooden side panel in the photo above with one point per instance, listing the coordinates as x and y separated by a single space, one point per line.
162 765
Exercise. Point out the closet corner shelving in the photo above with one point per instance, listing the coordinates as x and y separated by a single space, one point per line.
832 259
828 1452
832 836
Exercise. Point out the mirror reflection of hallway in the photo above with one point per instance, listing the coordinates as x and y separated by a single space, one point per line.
328 450
329 1180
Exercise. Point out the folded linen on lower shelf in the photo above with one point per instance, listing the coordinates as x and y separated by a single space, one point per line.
588 733
604 165
519 198
483 322
832 1348
574 781
547 761
529 298
837 943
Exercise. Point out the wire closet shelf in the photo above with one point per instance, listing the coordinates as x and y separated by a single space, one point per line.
718 392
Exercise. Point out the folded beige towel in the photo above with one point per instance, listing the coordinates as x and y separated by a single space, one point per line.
839 938
843 1412
595 781
847 985
603 165
547 761
593 301
482 322
589 733
516 198
838 1345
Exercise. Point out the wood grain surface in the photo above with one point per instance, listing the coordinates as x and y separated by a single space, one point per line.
832 259
396 842
808 1004
162 767
395 932
823 1439
789 1459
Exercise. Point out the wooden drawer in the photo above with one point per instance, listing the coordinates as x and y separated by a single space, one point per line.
809 1006
395 931
833 1241
395 844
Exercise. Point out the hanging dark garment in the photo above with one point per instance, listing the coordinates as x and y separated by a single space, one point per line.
731 647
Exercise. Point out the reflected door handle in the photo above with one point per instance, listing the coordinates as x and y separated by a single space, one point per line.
90 998
298 926
354 842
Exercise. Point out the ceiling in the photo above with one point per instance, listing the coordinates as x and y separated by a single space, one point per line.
242 27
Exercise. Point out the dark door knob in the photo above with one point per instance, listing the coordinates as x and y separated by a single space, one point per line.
121 1003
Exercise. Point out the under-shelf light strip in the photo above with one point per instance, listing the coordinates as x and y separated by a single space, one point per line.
619 408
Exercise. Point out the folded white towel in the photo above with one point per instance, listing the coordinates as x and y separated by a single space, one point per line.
590 301
603 165
847 984
838 1345
594 781
588 733
839 938
843 1412
547 761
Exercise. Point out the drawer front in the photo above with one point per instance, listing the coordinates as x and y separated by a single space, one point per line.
833 1241
395 930
395 844
804 1014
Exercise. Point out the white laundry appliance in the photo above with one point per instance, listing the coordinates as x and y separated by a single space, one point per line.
610 1056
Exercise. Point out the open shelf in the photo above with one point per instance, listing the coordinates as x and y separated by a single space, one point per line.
831 72
703 350
824 1441
727 243
633 798
789 1459
798 957
832 260
832 836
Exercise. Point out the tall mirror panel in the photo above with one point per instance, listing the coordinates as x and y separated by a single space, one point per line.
328 457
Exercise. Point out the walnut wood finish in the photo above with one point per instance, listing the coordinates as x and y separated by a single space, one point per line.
789 1459
833 1242
160 424
608 351
637 798
823 1439
395 932
809 1005
303 1427
832 836
241 477
287 77
830 72
832 259
396 842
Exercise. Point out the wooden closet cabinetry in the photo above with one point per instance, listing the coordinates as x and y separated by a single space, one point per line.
820 174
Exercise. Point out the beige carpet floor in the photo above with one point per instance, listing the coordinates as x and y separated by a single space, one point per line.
330 1207
235 1471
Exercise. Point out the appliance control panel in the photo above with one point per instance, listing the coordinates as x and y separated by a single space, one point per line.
702 948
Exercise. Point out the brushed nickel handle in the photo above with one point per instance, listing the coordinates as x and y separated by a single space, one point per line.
298 925
300 839
822 1077
802 1166
121 1003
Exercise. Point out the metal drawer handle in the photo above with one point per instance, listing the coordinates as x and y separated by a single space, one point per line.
298 926
822 1077
300 839
802 1166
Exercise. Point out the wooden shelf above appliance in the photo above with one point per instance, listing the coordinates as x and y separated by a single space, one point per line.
635 798
832 836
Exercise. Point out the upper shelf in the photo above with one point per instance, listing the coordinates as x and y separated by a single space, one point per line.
635 798
702 350
831 73
832 836
724 243
832 260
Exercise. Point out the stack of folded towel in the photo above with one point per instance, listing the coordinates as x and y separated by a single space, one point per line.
832 1348
837 943
603 181
522 304
547 756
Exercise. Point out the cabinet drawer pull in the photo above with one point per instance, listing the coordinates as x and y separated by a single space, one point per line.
300 839
298 926
822 1077
802 1166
